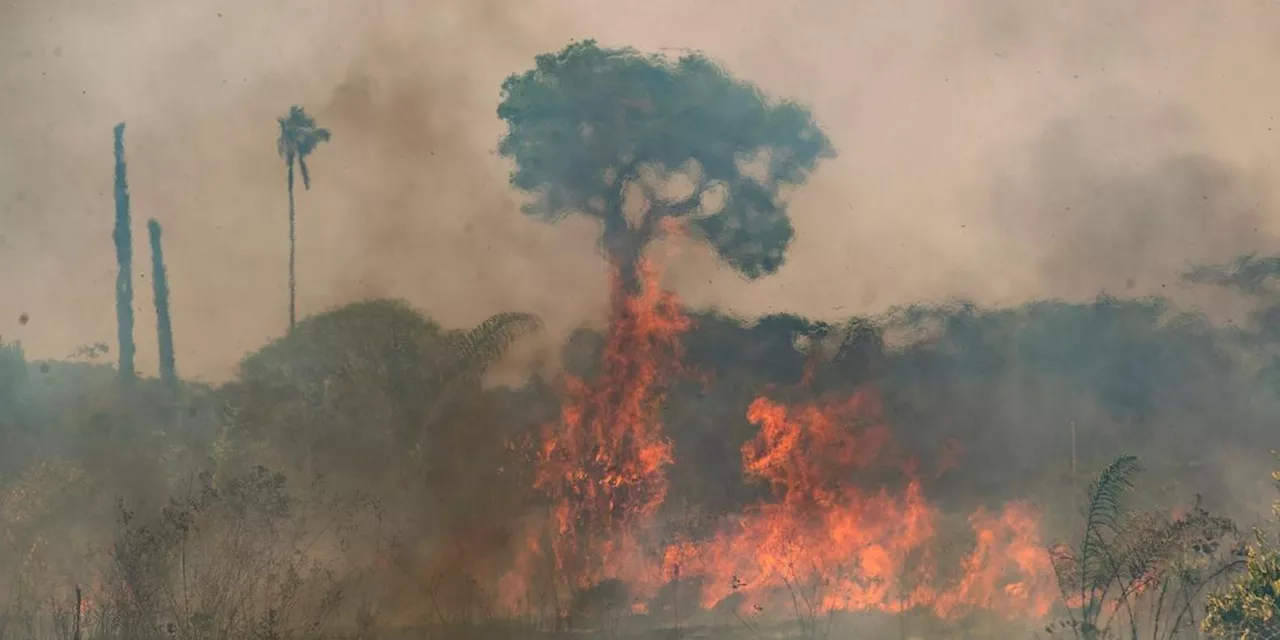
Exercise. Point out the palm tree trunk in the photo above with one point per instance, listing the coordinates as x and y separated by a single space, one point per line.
293 252
164 326
123 236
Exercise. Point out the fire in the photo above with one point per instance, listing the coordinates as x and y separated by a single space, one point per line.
819 528
823 536
86 604
1008 570
602 465
852 549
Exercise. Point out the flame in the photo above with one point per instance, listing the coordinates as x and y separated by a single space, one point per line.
1008 570
818 528
87 606
822 535
852 549
603 464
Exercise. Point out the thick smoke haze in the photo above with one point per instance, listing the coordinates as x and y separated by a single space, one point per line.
995 150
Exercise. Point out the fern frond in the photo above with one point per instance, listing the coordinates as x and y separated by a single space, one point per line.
1106 494
1097 567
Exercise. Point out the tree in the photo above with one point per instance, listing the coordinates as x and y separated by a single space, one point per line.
639 141
368 379
123 236
299 137
164 327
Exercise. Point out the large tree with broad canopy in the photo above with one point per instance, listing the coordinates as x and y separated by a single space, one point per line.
638 141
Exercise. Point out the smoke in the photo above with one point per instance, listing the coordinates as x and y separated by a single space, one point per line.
964 128
994 151
1114 204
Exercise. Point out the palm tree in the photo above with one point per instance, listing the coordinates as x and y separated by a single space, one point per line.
299 136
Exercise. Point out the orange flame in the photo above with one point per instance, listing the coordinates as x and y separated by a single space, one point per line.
603 464
852 549
603 467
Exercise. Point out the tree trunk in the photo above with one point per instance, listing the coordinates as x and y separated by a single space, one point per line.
123 236
624 247
164 326
293 252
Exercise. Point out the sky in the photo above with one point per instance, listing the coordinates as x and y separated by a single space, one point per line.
993 150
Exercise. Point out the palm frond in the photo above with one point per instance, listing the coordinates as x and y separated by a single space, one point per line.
310 138
484 345
299 137
319 135
284 145
471 353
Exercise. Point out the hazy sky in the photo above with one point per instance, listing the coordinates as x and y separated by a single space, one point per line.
991 149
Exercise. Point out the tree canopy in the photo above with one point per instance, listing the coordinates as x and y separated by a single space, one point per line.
588 127
299 137
369 374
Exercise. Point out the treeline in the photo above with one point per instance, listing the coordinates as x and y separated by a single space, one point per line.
374 413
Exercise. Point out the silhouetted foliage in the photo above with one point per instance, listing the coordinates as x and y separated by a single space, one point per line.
1010 381
1249 273
349 385
590 129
